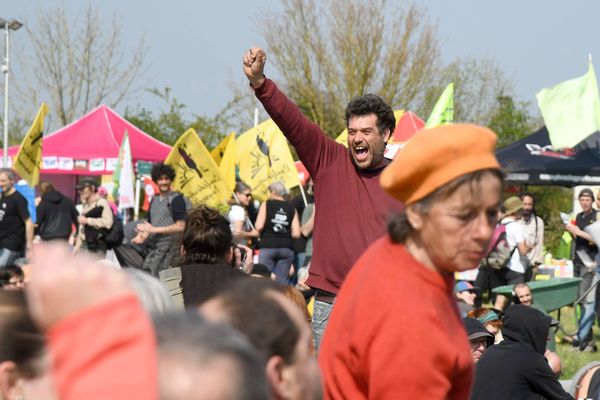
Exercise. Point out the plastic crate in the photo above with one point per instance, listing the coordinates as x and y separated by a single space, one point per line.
551 294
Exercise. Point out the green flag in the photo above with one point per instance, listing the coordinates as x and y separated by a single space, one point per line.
443 112
571 110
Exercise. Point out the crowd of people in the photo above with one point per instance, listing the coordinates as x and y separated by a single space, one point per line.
346 292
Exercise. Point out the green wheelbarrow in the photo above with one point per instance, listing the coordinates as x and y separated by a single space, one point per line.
549 295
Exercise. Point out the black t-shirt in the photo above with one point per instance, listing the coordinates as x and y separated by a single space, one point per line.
582 220
13 214
278 225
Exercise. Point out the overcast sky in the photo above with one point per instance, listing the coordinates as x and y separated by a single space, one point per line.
195 47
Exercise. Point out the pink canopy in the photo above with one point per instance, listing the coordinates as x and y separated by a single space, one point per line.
90 145
407 126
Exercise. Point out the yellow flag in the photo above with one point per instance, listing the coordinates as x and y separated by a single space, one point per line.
227 165
443 111
197 175
343 137
263 157
29 157
219 150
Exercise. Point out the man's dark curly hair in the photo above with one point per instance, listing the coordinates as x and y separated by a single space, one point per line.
160 169
372 104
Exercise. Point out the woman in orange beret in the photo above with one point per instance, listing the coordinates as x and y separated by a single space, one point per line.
395 331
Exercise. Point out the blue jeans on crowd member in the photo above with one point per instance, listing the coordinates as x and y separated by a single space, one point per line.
586 322
278 261
321 312
8 257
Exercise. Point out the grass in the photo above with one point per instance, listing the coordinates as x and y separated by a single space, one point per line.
572 361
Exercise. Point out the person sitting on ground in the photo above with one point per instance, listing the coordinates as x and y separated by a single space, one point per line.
479 337
277 328
73 298
208 256
517 368
24 365
56 214
204 361
490 320
465 296
12 277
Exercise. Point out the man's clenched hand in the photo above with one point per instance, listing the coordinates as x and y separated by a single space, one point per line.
254 66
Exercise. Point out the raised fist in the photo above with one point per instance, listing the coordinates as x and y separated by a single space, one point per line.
254 66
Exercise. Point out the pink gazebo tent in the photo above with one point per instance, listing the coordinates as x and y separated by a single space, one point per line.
90 145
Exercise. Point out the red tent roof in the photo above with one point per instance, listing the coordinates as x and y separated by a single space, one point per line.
90 145
408 125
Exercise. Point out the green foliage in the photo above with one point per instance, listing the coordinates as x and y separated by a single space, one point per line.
169 124
550 200
510 120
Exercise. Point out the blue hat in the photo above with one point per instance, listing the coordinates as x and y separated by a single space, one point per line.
461 286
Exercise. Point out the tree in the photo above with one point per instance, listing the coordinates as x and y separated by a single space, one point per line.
79 64
171 123
329 52
511 121
478 82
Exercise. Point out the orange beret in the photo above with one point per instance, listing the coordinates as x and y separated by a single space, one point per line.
434 157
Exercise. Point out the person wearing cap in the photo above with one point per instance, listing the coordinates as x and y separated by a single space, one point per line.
380 342
16 228
490 320
479 337
353 208
96 215
465 296
515 236
516 368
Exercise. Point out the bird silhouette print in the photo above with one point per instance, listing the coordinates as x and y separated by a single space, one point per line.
189 162
264 148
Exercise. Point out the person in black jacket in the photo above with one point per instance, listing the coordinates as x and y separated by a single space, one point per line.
56 214
516 368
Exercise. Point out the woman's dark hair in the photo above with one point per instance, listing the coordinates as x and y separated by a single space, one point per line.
20 340
398 226
9 272
372 104
206 238
160 169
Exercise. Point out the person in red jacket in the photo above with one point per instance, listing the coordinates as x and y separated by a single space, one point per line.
380 342
352 207
101 342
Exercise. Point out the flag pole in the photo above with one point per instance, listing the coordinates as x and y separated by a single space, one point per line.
136 207
303 196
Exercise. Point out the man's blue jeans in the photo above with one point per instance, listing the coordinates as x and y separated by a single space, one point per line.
321 312
589 315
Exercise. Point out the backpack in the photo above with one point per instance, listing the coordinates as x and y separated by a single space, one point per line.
114 235
499 252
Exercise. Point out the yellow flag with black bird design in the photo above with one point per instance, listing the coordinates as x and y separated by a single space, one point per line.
196 173
263 157
219 150
227 165
29 157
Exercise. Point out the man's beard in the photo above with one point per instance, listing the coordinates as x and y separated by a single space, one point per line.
527 214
